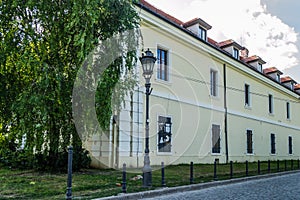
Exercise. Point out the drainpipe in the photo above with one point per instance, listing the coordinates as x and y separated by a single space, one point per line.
114 122
225 115
117 140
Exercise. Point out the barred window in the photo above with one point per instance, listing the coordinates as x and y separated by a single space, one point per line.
290 145
216 140
273 149
249 142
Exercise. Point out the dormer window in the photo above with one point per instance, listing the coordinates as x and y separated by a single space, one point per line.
202 33
273 73
278 77
236 53
259 67
256 62
231 47
198 27
288 82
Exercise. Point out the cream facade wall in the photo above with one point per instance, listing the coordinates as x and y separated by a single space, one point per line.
257 118
185 98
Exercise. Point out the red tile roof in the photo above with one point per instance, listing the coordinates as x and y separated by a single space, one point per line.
197 21
191 22
213 42
286 79
272 70
177 21
227 43
253 59
160 12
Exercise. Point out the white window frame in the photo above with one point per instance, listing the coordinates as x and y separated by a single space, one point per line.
249 96
278 77
288 110
271 107
236 53
202 33
168 66
214 83
274 143
259 67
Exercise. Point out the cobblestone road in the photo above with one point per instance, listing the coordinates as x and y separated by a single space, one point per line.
280 187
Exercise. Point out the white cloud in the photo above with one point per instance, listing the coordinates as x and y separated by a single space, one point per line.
245 21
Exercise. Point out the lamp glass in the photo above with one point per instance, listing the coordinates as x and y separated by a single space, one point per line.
148 62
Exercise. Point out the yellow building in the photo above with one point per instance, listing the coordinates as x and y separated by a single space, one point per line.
210 101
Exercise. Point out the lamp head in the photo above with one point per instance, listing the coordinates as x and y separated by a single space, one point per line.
148 60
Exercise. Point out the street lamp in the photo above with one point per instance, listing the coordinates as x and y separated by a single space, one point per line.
148 62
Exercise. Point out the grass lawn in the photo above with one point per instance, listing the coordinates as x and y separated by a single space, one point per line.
93 183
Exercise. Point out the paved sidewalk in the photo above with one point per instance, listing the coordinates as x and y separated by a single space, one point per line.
164 191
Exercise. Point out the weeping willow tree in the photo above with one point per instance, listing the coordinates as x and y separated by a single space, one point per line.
43 44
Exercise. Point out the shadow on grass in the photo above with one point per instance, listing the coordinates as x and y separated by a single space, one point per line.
95 183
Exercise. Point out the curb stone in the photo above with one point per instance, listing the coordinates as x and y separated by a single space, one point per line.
198 186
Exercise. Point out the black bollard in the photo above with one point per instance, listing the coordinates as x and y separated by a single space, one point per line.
215 171
69 182
192 173
247 170
278 168
269 166
163 182
231 169
124 179
292 164
258 167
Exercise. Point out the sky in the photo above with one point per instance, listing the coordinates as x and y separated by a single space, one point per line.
267 28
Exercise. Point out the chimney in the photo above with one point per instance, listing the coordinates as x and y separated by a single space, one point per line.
244 52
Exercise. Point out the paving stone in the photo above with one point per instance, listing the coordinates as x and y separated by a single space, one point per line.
279 187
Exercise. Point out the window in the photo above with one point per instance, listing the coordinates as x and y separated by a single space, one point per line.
273 149
288 110
164 134
235 53
278 77
290 145
270 103
247 95
162 64
259 67
216 142
213 83
202 33
249 142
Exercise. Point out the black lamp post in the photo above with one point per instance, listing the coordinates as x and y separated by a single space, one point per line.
148 62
